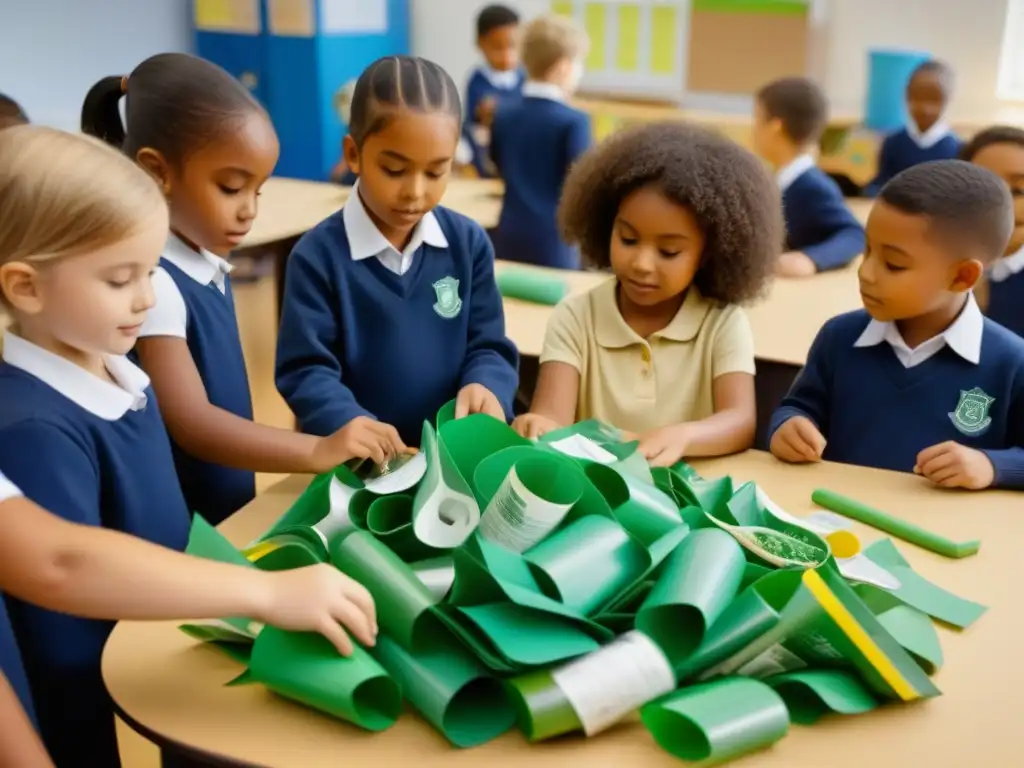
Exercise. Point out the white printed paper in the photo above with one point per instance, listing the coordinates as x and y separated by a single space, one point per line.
608 684
580 447
406 473
353 16
517 518
775 661
337 518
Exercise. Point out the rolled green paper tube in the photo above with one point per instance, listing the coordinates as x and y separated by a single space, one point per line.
531 286
812 693
717 721
902 529
389 519
542 710
647 512
308 669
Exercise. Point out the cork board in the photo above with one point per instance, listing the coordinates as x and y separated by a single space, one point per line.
737 52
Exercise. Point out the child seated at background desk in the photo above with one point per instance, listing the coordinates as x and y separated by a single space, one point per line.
926 135
918 380
821 232
534 143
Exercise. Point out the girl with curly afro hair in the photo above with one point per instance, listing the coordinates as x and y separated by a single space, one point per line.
691 226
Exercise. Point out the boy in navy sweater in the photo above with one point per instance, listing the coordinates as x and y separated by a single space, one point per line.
821 232
535 142
926 136
918 380
1001 150
498 82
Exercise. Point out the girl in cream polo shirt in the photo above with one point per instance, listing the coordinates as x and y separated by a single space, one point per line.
690 225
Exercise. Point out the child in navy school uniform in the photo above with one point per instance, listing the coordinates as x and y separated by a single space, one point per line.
210 147
499 81
926 135
919 380
821 232
390 305
535 142
1001 150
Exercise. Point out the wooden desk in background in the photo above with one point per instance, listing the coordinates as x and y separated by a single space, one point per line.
172 691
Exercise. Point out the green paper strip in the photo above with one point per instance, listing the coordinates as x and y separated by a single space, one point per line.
916 633
718 721
713 495
232 645
526 637
902 529
389 519
542 711
811 694
291 548
699 580
450 688
472 439
437 574
445 512
307 668
642 509
531 286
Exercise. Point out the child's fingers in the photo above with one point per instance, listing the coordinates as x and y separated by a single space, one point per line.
795 446
939 463
360 597
337 636
812 440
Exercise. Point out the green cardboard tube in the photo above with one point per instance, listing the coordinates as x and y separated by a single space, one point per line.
901 529
389 520
308 669
812 693
450 689
699 580
531 286
472 439
641 508
717 721
542 710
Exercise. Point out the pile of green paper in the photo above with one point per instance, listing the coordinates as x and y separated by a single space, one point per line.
559 585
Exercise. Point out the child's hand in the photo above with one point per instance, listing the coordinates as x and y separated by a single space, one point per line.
476 398
531 425
951 465
798 440
664 447
795 264
361 438
320 598
485 111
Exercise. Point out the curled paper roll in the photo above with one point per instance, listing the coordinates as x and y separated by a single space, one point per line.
445 511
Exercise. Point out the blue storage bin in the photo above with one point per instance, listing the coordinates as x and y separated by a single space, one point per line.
885 107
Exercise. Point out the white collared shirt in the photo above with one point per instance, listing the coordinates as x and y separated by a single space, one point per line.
100 397
793 171
929 138
8 490
169 316
963 337
537 90
1007 267
366 241
506 80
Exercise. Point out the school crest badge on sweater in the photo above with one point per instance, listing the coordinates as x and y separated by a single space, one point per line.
448 304
971 414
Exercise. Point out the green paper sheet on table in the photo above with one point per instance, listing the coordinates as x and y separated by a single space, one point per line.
717 721
810 694
531 286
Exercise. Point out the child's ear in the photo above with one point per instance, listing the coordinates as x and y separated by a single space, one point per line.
156 165
351 154
19 285
966 275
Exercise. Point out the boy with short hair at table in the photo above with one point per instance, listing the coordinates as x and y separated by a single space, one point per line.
821 233
1001 294
918 380
535 142
926 136
498 81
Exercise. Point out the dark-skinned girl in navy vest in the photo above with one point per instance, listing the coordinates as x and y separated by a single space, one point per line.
210 146
390 306
919 380
1001 150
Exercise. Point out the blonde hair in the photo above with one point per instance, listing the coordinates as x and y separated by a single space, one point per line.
549 39
63 194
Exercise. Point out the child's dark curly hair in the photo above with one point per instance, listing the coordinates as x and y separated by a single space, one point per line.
735 201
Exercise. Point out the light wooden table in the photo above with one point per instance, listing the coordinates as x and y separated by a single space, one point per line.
172 691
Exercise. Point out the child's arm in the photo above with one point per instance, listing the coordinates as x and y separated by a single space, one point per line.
844 240
578 140
798 427
20 746
82 569
490 370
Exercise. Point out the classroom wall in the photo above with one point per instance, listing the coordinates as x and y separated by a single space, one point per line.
52 51
966 34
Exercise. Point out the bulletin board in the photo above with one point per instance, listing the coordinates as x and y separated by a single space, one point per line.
240 17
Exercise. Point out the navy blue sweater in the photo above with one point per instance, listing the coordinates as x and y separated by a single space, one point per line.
533 144
1006 302
876 413
818 222
899 151
357 339
116 474
480 87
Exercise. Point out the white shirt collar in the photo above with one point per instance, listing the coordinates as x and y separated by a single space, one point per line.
929 138
8 490
1007 267
365 240
202 266
963 337
101 398
505 81
796 168
537 90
